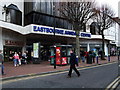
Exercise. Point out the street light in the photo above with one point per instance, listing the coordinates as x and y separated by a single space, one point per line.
54 22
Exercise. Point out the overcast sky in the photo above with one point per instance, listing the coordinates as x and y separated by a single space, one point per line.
112 3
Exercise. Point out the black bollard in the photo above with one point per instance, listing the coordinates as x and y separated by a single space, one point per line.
108 58
54 61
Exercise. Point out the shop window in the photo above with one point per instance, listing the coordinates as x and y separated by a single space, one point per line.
64 52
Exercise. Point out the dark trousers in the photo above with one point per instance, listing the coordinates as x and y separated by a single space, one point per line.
93 59
2 69
74 68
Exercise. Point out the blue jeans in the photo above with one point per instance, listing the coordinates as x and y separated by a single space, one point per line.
15 62
2 68
83 58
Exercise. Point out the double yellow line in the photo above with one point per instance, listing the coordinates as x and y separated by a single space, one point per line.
114 84
31 76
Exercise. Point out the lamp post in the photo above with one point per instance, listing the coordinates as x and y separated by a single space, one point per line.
54 24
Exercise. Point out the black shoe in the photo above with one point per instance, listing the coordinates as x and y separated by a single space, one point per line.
68 76
3 74
79 75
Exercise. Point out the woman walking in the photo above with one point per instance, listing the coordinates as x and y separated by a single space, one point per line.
16 58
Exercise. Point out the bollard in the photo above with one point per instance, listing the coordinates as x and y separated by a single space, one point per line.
118 57
54 61
97 59
108 58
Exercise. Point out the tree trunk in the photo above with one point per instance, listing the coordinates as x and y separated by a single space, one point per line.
77 45
77 49
103 50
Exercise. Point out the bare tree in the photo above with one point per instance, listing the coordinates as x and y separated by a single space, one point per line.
104 15
77 13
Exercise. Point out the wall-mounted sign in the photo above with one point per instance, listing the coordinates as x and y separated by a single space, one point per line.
36 50
49 30
14 43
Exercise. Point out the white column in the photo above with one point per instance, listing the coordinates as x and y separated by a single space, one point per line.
24 47
1 41
88 47
106 49
23 13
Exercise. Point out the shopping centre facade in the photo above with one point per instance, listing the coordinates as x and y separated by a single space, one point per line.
26 23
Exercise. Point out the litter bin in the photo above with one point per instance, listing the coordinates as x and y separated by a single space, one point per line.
89 58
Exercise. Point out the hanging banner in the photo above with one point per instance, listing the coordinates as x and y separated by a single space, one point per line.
36 50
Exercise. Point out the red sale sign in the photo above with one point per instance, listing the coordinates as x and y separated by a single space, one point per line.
58 55
64 60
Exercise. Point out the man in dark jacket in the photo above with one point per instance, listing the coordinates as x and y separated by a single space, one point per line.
1 63
73 62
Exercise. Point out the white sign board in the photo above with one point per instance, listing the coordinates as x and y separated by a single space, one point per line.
36 50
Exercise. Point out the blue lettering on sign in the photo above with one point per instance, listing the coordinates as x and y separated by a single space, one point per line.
35 28
85 35
70 33
50 30
47 30
59 31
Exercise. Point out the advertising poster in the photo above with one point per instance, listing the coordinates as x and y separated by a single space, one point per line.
64 60
58 55
52 56
36 50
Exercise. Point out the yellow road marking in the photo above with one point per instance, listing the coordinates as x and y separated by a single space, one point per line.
31 77
113 84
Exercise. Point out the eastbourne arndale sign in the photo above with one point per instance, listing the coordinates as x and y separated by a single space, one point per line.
49 30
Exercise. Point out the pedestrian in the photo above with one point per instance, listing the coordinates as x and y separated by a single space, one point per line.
73 62
24 58
100 54
16 58
20 58
28 54
93 56
82 54
11 56
1 62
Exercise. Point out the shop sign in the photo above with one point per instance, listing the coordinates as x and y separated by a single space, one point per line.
14 43
58 31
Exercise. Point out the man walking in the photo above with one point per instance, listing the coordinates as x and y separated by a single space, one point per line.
1 63
73 62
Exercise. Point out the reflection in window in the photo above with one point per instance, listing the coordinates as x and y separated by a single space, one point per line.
64 52
43 7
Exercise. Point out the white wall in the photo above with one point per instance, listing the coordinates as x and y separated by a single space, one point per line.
11 35
18 3
106 49
118 27
1 43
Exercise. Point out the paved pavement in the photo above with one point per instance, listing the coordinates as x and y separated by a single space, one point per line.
45 66
91 77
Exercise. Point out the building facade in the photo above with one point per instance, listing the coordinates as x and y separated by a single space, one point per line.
25 23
